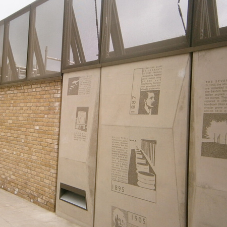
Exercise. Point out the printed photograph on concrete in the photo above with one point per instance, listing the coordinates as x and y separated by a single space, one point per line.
81 118
122 218
73 86
132 171
149 101
140 172
79 85
146 91
214 135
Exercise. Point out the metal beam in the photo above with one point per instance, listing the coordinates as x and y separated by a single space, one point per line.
111 28
31 42
34 47
38 55
76 36
12 63
115 31
5 52
208 19
67 33
8 54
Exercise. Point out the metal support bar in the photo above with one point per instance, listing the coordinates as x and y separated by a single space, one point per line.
5 52
34 47
12 63
213 15
111 27
115 31
76 38
208 19
71 37
8 54
46 53
74 51
105 45
67 32
31 42
38 55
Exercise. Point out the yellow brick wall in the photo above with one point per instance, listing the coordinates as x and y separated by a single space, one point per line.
29 133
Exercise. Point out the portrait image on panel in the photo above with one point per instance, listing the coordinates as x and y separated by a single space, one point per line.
214 135
149 101
81 118
73 86
145 95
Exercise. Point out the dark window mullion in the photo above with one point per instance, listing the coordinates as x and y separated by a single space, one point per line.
67 33
31 42
7 54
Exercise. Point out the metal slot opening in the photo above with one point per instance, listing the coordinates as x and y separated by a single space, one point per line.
73 196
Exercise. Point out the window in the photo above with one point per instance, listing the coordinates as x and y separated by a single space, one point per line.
81 32
102 31
45 38
222 9
15 47
140 27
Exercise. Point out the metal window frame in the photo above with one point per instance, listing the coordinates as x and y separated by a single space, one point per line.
2 24
34 47
109 9
7 50
71 38
148 51
111 27
205 26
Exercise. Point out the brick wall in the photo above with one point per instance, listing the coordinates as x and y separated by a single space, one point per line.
29 132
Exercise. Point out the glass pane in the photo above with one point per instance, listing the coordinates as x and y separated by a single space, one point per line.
49 24
144 22
222 12
183 7
1 46
17 48
9 7
85 13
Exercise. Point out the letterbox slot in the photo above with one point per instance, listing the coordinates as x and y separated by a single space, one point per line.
74 196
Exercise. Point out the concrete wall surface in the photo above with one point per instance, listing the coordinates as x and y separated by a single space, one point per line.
208 147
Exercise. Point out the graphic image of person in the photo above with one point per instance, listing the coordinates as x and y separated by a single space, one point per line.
149 102
119 219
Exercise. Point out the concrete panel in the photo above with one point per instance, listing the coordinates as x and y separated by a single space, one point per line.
125 87
208 150
78 143
142 152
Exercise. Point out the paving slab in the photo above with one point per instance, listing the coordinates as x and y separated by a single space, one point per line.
17 212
